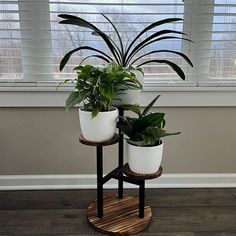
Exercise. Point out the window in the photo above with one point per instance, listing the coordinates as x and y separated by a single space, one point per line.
223 41
128 16
212 27
10 41
32 42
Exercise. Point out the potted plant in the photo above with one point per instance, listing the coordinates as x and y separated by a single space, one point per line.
127 56
95 88
127 79
143 136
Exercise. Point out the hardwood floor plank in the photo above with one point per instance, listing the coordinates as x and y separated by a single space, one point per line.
72 199
39 217
193 219
176 212
140 234
186 219
167 234
233 192
100 234
46 199
232 233
47 230
189 197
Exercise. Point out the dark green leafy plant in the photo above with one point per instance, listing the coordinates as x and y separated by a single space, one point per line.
96 87
125 56
145 130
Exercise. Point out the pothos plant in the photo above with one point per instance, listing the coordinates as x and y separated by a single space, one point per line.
145 130
95 87
127 56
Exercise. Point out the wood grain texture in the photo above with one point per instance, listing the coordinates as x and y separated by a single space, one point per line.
209 233
120 216
113 140
176 212
193 219
127 171
80 199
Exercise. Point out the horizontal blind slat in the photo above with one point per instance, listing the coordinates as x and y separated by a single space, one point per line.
215 44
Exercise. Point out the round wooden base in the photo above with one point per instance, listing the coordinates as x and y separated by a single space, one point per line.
120 216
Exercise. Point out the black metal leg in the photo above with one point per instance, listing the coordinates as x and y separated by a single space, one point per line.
121 159
141 198
99 182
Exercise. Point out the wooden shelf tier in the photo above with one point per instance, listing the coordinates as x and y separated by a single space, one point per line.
113 140
126 170
120 217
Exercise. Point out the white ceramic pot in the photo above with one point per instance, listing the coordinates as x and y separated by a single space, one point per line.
144 160
131 95
100 128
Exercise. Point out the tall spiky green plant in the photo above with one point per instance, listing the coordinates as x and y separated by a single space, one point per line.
122 56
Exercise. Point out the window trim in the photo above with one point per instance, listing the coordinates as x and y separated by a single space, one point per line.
49 96
196 86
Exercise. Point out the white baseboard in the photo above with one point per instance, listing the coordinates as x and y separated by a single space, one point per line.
33 182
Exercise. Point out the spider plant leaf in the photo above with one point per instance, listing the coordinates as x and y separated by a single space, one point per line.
118 49
98 56
155 35
74 20
159 39
151 26
118 35
82 23
67 16
68 55
176 68
149 106
95 33
169 51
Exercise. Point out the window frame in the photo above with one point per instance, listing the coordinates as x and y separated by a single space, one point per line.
45 95
198 92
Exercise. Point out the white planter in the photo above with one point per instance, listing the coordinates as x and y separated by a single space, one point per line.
131 95
100 128
144 160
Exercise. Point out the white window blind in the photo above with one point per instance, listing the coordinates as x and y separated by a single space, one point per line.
10 41
211 25
25 40
33 43
223 41
129 17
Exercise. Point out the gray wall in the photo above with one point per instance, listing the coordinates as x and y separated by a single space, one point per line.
45 141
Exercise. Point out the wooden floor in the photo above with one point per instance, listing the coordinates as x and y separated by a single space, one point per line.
176 212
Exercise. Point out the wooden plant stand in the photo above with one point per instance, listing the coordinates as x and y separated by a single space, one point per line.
121 214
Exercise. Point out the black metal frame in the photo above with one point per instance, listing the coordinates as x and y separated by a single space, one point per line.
117 174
